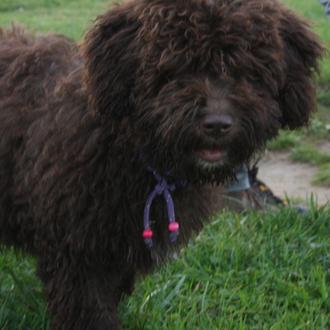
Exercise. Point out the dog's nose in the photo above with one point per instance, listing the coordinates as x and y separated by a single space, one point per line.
217 123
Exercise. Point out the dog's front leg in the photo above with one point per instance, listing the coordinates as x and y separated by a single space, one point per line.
80 297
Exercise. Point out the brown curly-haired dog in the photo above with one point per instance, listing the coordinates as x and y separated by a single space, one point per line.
190 89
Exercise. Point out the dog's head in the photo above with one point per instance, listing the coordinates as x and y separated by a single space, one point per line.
201 85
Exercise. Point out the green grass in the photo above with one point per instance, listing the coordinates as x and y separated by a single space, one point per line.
67 17
309 154
322 178
285 141
253 271
21 298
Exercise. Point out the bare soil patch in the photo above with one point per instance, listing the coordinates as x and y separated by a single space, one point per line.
292 179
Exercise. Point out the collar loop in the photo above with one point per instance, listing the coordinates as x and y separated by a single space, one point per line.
162 188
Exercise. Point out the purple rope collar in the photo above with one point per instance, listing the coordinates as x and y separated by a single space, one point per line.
162 188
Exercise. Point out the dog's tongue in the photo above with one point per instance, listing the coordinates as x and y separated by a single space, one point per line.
210 155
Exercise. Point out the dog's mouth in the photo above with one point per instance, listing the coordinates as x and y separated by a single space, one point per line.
211 157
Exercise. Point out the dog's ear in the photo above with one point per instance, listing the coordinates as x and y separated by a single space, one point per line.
111 61
302 51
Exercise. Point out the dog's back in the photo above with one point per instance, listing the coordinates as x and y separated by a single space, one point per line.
30 67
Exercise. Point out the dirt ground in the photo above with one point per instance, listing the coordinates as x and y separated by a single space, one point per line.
292 179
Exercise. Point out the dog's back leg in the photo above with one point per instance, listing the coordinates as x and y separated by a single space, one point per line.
81 297
7 231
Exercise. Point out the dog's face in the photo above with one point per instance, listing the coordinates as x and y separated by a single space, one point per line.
202 84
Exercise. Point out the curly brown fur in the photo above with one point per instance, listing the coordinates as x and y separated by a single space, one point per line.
79 127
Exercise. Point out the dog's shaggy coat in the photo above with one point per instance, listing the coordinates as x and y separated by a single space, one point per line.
79 127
